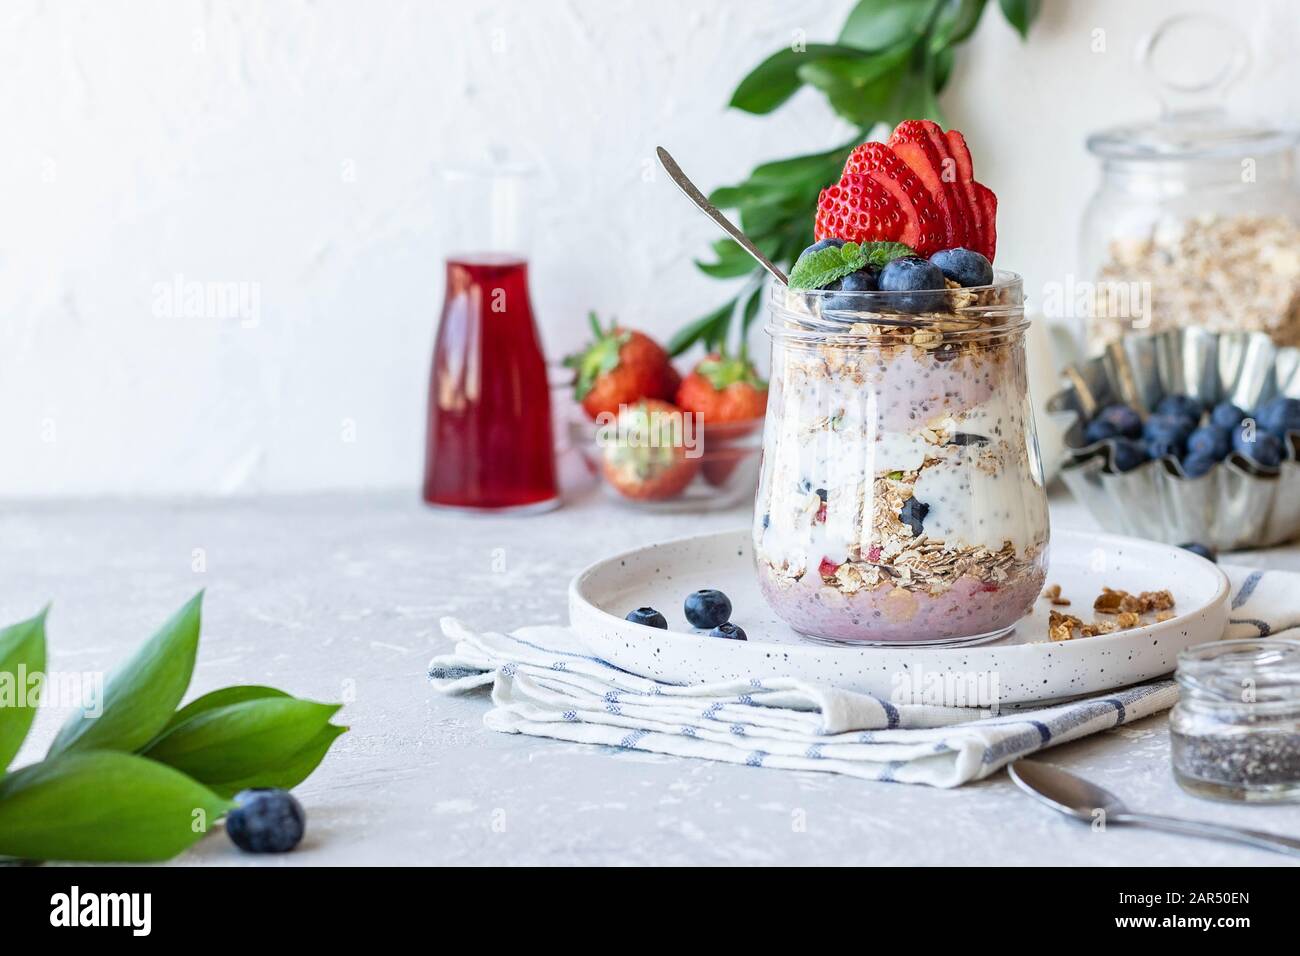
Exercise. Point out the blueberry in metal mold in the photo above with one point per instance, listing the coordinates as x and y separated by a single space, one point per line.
1127 454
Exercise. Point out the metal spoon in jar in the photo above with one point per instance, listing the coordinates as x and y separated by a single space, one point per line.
1076 797
694 195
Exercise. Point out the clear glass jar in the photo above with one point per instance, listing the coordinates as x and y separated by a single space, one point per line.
1196 220
1235 732
901 495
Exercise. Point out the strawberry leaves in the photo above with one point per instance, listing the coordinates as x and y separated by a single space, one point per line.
597 359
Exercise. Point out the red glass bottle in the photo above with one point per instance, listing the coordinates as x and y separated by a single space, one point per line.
489 443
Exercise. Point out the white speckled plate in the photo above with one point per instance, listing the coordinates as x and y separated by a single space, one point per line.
1023 665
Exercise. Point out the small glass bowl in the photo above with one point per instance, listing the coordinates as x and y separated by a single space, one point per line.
1235 732
699 467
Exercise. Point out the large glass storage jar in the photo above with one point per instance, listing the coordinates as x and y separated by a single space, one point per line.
901 494
1196 221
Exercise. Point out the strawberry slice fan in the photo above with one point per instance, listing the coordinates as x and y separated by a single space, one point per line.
919 189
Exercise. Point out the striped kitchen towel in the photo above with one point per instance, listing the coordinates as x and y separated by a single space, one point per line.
546 684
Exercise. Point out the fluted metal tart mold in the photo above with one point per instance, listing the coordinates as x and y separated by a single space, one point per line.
1238 503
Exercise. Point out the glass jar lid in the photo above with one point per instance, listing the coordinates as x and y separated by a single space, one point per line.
1189 62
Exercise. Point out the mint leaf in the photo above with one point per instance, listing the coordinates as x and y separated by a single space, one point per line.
22 655
141 695
883 253
816 270
103 806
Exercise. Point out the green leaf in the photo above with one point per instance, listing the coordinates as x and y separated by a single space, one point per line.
816 270
956 22
140 696
1021 14
732 261
877 24
236 694
240 740
22 658
863 91
292 771
102 806
776 79
703 329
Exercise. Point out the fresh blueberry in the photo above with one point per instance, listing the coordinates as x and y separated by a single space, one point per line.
1210 441
964 266
1194 466
1126 454
1226 415
1279 415
821 244
1124 419
914 275
266 820
1261 447
1099 429
647 616
1184 406
707 608
864 280
730 631
913 515
1166 434
1199 549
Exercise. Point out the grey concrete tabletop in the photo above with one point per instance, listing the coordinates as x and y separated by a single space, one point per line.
338 597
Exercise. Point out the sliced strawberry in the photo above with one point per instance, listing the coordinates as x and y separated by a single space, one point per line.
961 153
913 145
989 207
949 175
925 230
859 209
966 176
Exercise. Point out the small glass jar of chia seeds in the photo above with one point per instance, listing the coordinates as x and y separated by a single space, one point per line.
1235 733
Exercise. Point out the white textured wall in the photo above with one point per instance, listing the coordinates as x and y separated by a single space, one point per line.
291 147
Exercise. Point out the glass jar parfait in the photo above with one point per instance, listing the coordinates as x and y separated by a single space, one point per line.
901 498
1235 732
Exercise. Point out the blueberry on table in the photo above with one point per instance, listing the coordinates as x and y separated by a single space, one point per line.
921 280
1099 429
266 820
729 631
1279 415
1194 466
1184 406
1199 549
964 266
647 616
1123 418
1210 441
1263 448
707 608
1126 454
913 515
1226 415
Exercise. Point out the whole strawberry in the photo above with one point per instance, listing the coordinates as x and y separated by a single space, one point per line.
650 457
618 368
723 390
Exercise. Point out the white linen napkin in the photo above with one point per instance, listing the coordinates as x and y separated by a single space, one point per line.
545 683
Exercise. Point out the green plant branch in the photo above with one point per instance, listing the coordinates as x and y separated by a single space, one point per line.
890 62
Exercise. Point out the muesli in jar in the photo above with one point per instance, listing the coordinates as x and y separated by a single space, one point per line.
901 497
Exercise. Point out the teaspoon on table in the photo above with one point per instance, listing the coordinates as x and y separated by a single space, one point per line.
694 195
1076 797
